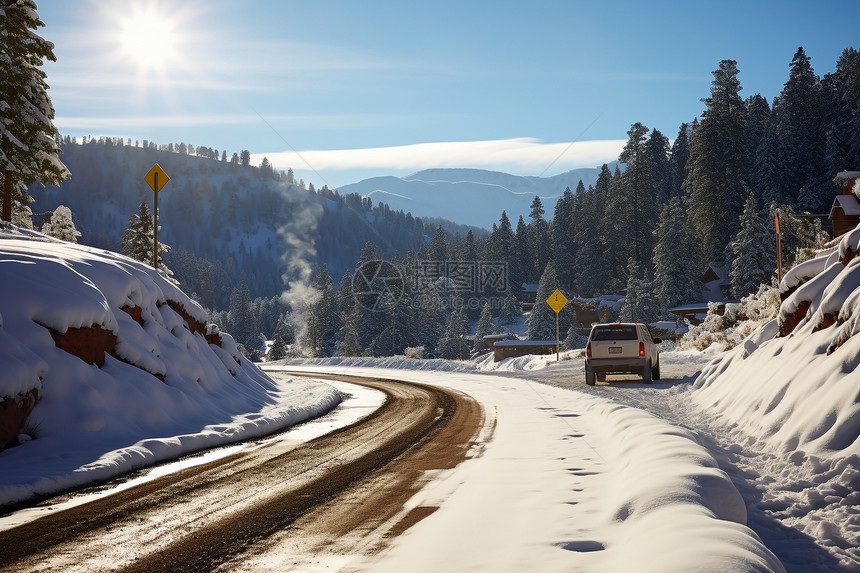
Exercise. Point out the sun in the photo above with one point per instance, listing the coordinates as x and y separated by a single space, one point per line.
148 37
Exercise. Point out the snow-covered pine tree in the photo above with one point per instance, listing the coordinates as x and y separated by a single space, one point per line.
678 161
802 136
754 257
322 319
677 270
640 303
540 242
510 308
278 349
574 339
633 205
657 154
138 237
452 345
28 147
563 231
541 322
439 245
240 318
61 225
718 163
398 331
590 236
485 327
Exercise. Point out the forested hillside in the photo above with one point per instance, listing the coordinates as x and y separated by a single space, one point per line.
225 221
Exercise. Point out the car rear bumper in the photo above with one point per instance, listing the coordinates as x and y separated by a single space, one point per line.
631 365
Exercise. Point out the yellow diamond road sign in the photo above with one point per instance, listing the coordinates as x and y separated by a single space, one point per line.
557 301
156 178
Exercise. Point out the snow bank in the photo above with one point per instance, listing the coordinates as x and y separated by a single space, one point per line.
797 395
162 392
671 502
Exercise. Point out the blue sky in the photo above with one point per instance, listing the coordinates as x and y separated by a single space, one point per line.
377 87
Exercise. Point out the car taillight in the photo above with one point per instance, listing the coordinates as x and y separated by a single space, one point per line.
588 350
641 349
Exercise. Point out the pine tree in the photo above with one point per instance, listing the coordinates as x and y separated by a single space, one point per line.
61 225
640 303
469 252
541 322
137 239
754 259
322 320
453 345
718 163
634 202
801 135
676 267
510 310
398 330
843 135
617 242
485 327
240 318
439 246
28 146
590 236
521 257
657 155
280 339
540 243
563 231
678 162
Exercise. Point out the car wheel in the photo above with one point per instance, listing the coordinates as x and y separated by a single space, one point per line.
655 372
589 376
646 373
601 376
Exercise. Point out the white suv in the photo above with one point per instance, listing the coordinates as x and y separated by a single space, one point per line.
621 348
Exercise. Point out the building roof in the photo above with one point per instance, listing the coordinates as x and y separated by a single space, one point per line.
848 204
525 343
848 175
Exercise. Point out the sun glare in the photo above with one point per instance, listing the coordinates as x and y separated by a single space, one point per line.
148 38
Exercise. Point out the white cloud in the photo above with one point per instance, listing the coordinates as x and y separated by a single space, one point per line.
524 154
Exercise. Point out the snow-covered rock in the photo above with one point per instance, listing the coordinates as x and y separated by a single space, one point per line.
116 355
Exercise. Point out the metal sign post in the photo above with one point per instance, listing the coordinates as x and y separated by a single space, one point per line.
556 301
156 178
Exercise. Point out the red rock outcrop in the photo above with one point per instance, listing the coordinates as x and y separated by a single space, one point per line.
194 325
135 312
13 412
90 343
788 322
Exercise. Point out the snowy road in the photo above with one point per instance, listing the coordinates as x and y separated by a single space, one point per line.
570 482
222 515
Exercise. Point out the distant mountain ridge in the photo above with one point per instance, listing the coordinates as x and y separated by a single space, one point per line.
470 196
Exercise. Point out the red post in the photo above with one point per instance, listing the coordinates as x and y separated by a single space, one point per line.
778 251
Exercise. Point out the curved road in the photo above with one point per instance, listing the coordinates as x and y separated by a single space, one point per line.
275 505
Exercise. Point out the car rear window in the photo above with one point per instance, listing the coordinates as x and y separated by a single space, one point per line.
614 333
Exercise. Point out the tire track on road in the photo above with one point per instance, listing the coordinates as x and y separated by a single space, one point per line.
205 516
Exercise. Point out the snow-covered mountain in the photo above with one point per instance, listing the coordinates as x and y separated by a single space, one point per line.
470 196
